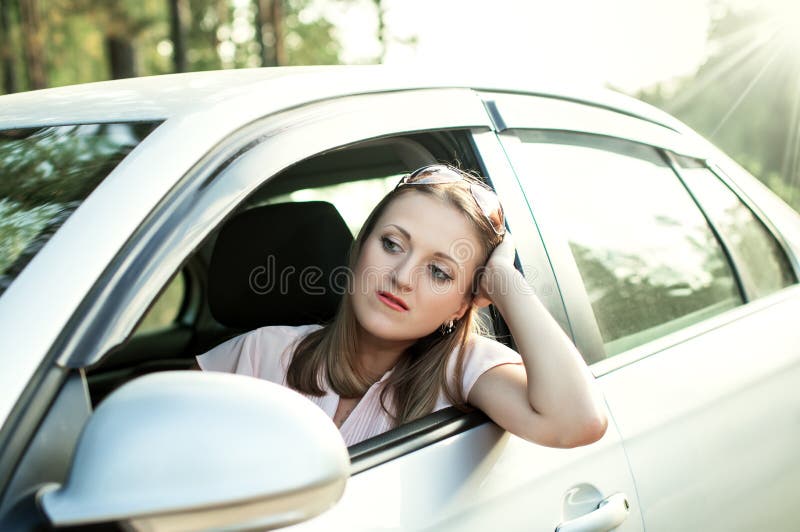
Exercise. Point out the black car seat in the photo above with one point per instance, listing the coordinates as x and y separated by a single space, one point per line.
280 264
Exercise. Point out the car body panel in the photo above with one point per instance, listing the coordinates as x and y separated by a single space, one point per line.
708 431
483 479
537 112
169 96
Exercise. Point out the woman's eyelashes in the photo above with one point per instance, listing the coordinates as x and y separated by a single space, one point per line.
390 245
438 274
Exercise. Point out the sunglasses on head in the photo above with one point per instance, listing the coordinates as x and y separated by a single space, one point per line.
487 200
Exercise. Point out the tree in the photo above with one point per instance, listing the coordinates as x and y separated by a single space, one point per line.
269 32
30 23
90 40
6 50
178 15
278 32
98 38
380 8
746 96
204 19
384 36
302 40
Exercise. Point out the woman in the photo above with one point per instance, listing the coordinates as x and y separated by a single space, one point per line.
405 340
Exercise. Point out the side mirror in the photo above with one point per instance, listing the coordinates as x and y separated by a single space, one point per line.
191 450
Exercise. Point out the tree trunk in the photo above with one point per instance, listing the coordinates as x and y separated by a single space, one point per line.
278 30
264 24
178 11
381 29
33 43
121 57
6 53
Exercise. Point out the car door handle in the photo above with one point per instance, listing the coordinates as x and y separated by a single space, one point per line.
610 513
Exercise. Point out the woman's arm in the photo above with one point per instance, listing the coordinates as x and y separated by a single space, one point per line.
552 399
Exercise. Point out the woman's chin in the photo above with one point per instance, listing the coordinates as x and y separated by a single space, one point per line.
386 328
383 329
387 324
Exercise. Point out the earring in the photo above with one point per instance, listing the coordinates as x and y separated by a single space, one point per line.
447 328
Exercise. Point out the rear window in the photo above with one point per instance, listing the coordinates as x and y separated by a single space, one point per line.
45 174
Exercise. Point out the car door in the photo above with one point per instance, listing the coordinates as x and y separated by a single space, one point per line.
683 292
446 471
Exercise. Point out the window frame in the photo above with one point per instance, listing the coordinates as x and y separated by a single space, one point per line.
760 216
576 299
746 288
726 172
188 299
225 178
534 261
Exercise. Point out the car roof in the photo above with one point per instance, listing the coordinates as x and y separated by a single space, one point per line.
174 95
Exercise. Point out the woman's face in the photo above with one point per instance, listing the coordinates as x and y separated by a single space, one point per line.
415 269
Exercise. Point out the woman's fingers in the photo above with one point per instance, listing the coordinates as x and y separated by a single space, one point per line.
503 254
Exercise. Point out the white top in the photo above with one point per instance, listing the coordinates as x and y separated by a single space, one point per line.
265 353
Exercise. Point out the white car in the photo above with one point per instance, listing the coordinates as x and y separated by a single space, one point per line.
138 219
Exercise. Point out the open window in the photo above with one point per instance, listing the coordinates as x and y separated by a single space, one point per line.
352 180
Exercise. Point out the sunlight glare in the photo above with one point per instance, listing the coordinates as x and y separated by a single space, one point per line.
787 14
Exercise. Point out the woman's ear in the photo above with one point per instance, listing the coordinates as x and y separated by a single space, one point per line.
478 298
462 309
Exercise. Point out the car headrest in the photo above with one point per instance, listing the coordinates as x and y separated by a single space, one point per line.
274 265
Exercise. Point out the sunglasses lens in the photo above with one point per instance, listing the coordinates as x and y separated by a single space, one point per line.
490 206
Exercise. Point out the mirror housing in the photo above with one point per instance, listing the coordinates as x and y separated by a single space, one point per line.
191 450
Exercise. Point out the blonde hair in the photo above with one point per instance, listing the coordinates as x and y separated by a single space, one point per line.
329 353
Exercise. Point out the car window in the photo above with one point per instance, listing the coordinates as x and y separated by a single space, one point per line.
166 309
761 261
353 200
45 174
648 259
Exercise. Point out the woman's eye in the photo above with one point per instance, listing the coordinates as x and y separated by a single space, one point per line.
439 274
389 245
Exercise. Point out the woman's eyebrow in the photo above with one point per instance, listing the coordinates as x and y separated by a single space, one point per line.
405 233
408 237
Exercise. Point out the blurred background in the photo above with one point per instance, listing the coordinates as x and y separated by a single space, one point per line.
728 68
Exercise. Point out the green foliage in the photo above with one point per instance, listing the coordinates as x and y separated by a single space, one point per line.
202 41
166 308
219 34
312 42
62 164
44 176
746 97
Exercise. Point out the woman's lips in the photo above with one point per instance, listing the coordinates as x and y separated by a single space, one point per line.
392 301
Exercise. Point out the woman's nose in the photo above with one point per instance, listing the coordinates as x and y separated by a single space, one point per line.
403 275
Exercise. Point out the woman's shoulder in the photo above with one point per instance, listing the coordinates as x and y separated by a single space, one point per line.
482 346
481 354
279 338
260 352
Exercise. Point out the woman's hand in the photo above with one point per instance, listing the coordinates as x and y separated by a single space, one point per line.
498 274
